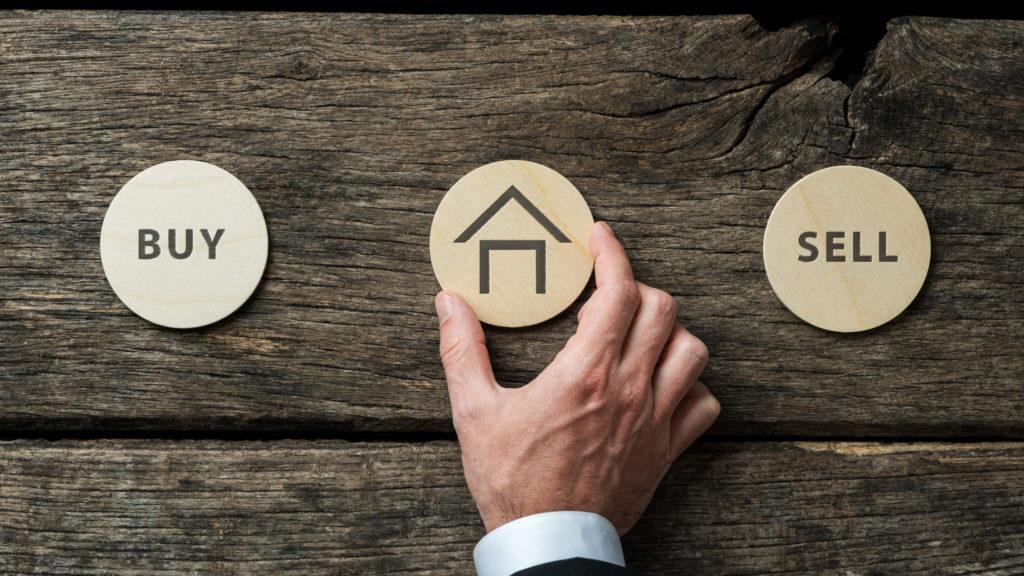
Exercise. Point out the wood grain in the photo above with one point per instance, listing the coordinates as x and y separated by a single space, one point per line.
513 239
146 244
846 249
681 132
294 507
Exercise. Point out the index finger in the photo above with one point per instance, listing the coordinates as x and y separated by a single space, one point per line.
605 318
611 264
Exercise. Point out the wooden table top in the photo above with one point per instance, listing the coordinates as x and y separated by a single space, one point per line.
310 432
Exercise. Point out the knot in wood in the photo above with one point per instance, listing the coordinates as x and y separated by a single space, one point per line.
302 67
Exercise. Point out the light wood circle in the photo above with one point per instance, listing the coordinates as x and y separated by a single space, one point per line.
847 248
166 282
513 239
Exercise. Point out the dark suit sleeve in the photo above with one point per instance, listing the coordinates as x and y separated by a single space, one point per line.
577 567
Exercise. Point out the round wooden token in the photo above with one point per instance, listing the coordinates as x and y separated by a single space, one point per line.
513 239
847 248
183 244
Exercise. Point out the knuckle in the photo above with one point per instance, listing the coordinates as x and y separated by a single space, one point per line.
626 294
583 310
455 348
634 390
595 379
665 304
590 383
453 352
459 418
463 413
473 411
696 347
713 407
635 396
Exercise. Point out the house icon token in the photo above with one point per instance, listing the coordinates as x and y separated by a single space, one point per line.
512 238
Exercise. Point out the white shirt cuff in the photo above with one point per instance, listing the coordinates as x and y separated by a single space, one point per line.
548 537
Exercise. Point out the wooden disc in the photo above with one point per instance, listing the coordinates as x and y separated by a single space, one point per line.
847 248
513 239
183 244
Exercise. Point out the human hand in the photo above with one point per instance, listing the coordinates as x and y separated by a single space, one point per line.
598 429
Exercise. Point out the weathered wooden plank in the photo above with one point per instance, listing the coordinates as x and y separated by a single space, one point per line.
682 132
294 507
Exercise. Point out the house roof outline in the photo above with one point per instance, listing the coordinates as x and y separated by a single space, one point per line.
508 196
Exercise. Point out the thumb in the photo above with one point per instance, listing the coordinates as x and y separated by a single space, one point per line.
467 367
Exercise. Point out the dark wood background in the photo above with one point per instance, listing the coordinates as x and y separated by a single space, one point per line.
310 432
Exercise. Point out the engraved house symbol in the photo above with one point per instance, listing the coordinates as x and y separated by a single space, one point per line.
488 246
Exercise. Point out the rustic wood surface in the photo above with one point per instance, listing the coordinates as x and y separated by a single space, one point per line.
293 507
681 132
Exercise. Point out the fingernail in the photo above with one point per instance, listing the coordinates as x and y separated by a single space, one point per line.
606 227
444 307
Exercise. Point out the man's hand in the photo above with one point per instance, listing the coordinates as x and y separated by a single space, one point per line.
598 429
